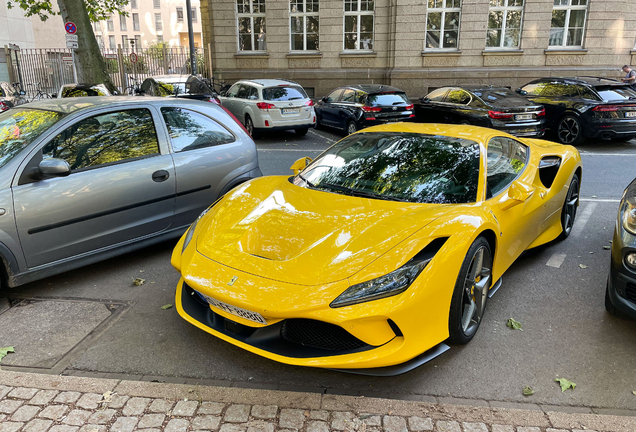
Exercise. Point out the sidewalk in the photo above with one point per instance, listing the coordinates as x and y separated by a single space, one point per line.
51 403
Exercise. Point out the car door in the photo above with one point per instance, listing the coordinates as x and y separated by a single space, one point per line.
455 108
327 110
535 92
121 186
507 169
206 155
240 102
428 109
229 99
346 107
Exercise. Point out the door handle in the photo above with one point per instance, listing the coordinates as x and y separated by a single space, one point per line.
159 176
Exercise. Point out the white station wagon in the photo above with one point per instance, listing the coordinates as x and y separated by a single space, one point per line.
270 104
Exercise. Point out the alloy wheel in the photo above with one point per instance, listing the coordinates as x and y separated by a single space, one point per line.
351 128
475 291
249 126
569 130
571 204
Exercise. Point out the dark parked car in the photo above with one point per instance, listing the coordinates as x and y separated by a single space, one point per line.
355 107
493 107
82 90
7 96
620 295
182 86
585 107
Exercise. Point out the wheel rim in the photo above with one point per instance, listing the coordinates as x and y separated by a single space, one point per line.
570 206
249 126
569 130
475 291
351 128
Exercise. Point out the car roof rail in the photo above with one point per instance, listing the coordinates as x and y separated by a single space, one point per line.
289 81
253 81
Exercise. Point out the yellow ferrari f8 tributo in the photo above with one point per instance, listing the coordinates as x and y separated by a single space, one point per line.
373 255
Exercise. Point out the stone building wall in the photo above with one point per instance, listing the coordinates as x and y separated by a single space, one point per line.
399 56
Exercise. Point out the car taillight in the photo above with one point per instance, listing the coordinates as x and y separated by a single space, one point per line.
541 113
499 115
265 105
371 109
409 107
3 106
215 100
605 108
309 103
235 119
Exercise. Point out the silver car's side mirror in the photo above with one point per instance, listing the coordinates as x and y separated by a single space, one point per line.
54 168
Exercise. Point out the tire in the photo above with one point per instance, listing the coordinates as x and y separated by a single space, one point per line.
302 131
569 130
318 124
351 128
471 293
249 125
568 212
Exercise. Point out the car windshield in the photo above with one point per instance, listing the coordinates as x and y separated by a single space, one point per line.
387 99
20 127
410 167
616 93
285 93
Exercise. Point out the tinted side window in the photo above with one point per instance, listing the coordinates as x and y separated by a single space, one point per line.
557 89
437 95
244 92
334 95
506 159
105 139
587 93
458 96
190 130
534 89
233 91
253 93
348 96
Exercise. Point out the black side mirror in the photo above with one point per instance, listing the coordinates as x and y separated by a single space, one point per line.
54 168
53 95
324 99
521 92
424 99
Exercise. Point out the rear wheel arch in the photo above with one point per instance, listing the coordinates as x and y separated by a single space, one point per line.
579 173
491 237
8 266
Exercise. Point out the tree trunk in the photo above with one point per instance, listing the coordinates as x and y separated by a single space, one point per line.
89 62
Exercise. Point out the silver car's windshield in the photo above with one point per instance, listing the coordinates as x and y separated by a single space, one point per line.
20 127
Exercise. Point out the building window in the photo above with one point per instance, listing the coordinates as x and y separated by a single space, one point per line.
100 43
124 42
135 18
442 24
111 42
194 14
109 24
251 25
179 14
158 22
156 4
304 25
160 38
504 23
97 27
358 24
138 41
568 23
133 4
122 22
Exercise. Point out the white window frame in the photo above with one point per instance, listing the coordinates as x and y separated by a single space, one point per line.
251 15
133 4
359 14
156 4
444 10
138 41
304 16
193 12
123 25
110 25
569 7
136 26
97 27
505 9
112 43
124 42
179 18
158 23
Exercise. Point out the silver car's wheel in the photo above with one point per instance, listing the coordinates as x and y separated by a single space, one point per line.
569 130
249 125
351 128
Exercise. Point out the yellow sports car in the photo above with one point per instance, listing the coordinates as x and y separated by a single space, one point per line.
373 255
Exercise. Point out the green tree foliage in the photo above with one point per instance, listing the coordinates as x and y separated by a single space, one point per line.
98 10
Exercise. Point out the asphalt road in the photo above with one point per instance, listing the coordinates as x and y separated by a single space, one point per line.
566 331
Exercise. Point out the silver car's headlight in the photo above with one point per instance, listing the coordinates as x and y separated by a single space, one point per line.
628 209
190 232
385 286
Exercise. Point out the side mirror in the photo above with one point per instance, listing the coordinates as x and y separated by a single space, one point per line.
424 99
518 193
324 99
53 95
300 164
521 92
54 168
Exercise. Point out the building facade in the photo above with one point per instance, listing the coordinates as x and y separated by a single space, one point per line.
418 45
15 29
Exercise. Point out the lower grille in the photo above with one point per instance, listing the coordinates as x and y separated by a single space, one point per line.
630 292
318 334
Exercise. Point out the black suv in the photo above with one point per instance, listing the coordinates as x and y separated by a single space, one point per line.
585 107
355 107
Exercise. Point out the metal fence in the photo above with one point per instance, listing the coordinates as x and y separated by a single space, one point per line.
49 69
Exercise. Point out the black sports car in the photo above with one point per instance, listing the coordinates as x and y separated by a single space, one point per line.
585 107
181 86
355 107
620 295
493 107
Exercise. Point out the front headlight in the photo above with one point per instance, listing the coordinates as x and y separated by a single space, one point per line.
385 286
190 232
628 209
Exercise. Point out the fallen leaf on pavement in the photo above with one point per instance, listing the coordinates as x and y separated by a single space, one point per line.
582 266
6 350
565 384
606 247
138 281
634 392
515 325
594 196
527 391
108 396
164 307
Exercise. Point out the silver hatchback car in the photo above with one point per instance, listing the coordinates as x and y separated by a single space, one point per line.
85 179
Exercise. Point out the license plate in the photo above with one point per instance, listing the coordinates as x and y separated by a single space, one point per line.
291 110
239 312
630 114
523 117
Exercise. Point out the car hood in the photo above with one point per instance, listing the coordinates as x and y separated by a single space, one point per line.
274 229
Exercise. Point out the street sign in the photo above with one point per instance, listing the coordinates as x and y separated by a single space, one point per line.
71 44
14 47
133 58
71 38
70 28
110 56
67 59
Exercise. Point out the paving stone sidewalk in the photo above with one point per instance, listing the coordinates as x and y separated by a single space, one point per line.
46 403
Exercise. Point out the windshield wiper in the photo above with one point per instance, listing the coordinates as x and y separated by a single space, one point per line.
359 193
310 184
